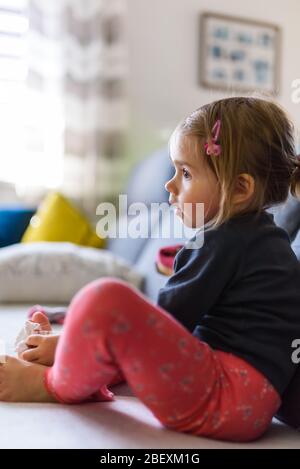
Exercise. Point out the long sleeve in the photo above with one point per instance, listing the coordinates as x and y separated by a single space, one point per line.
200 276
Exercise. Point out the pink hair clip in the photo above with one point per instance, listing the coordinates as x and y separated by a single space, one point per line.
213 148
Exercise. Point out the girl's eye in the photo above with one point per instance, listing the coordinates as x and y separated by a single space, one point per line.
185 173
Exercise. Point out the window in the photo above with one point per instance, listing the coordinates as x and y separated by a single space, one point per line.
31 131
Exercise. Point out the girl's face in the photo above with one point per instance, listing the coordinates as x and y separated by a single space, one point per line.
193 183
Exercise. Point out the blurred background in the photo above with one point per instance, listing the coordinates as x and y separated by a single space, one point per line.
88 88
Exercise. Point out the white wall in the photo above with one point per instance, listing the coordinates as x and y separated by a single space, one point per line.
164 49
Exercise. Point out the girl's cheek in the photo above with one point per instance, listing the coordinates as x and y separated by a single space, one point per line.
177 186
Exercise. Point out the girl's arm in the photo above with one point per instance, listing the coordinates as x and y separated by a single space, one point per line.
200 276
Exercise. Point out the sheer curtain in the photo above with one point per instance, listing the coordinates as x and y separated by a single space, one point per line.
13 70
74 111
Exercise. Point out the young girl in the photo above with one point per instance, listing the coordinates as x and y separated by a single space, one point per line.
213 357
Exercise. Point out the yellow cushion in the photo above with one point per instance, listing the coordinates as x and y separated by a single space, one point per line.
58 220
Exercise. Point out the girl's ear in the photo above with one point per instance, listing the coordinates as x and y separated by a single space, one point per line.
244 188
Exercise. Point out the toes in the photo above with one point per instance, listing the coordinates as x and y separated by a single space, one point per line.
34 340
34 309
42 320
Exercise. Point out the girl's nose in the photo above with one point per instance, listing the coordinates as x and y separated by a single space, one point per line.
169 186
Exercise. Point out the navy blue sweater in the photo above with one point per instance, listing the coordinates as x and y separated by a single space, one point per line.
240 293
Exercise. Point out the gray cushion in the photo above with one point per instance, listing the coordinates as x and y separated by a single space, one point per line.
296 245
287 216
147 181
54 271
129 248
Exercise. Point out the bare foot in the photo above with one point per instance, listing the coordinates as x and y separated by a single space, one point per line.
22 381
42 320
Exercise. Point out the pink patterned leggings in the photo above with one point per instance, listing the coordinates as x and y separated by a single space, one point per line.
114 333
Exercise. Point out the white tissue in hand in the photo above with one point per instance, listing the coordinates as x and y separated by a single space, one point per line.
28 329
21 347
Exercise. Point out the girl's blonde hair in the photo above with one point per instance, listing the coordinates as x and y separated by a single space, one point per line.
257 138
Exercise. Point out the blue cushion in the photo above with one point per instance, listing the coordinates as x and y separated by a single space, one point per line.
13 222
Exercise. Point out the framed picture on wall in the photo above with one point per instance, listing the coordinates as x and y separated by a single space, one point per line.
239 54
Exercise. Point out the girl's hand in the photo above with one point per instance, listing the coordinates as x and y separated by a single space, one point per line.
41 349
